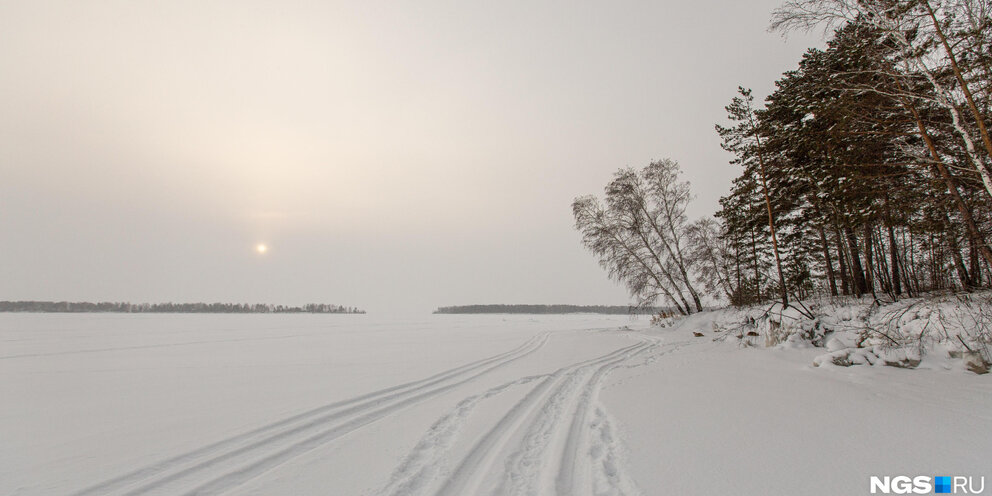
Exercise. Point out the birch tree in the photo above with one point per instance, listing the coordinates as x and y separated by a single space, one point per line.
638 233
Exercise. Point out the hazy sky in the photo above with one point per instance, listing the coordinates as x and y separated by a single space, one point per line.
394 156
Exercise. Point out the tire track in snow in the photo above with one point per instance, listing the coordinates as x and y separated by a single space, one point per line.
263 448
538 412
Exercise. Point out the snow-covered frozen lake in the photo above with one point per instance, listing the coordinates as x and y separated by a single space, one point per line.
110 404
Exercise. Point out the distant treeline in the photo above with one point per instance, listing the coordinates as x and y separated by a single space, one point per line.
553 309
120 307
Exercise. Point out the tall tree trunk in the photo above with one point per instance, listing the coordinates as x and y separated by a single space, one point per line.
647 267
979 120
675 254
894 258
783 290
883 265
737 262
951 184
907 268
845 278
917 285
976 265
860 287
869 261
661 266
944 97
829 263
893 249
934 279
955 248
757 273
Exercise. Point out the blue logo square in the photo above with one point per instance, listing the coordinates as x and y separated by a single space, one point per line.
943 484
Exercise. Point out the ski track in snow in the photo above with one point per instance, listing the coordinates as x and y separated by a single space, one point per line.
557 440
428 457
224 465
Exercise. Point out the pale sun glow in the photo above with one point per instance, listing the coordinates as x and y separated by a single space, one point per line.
261 249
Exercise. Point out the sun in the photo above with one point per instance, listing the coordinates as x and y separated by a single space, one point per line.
261 248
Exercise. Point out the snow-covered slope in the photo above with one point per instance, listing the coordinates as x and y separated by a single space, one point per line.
457 405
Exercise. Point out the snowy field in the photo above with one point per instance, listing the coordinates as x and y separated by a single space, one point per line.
102 404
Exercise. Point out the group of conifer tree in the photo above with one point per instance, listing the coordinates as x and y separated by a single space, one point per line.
868 168
867 171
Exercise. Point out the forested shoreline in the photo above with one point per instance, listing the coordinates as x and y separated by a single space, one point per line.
121 307
867 171
552 309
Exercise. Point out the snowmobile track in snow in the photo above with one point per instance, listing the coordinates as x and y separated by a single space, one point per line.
564 440
229 463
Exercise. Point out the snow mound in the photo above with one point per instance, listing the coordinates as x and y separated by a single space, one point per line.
949 332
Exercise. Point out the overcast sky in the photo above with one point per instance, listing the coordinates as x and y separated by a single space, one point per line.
395 156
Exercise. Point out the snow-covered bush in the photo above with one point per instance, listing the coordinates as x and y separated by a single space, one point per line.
664 319
943 331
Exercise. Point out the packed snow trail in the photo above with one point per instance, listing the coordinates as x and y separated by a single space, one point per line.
248 455
555 440
542 433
